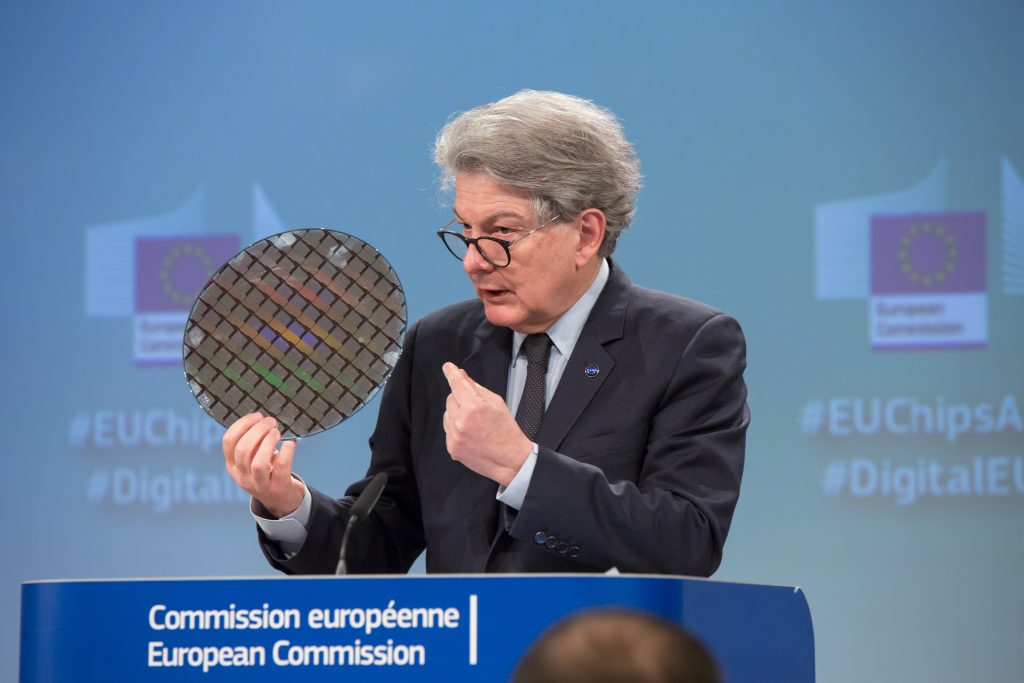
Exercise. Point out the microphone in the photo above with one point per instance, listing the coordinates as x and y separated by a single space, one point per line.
364 503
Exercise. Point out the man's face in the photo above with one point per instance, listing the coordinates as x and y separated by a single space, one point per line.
543 280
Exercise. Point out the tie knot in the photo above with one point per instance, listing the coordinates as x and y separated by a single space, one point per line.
538 346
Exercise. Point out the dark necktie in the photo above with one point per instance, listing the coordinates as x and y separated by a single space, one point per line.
529 413
531 405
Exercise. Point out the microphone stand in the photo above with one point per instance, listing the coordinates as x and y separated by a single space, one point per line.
360 509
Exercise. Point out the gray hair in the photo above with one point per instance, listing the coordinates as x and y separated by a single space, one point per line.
568 153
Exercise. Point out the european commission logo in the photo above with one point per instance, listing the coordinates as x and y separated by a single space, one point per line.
151 269
928 281
169 274
922 268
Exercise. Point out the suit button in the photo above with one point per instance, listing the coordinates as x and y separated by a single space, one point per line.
551 542
563 547
540 537
574 551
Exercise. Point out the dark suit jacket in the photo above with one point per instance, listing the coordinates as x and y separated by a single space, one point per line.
639 466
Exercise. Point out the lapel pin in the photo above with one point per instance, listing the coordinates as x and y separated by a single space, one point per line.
591 370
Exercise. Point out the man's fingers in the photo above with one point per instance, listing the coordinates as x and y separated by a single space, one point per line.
449 433
454 376
245 449
457 377
282 466
235 432
446 422
450 371
263 461
241 425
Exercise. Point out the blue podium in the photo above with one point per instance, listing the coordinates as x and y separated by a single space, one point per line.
380 628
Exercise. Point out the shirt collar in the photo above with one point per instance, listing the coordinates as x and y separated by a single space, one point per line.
566 330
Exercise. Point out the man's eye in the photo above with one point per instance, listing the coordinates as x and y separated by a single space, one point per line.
502 230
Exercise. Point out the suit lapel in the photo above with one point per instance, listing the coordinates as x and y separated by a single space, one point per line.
489 358
576 388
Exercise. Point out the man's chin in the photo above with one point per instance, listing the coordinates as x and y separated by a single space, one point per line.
500 315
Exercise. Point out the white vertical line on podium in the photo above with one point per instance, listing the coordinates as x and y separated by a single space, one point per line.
472 630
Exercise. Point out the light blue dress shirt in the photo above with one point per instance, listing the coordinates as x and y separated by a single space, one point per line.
564 334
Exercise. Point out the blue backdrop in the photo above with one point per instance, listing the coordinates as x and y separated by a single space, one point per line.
845 179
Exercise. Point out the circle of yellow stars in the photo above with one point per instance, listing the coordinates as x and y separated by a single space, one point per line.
952 253
185 250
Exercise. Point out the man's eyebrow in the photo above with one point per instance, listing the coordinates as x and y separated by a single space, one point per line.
490 219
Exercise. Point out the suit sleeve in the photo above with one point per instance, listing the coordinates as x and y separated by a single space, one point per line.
391 538
673 517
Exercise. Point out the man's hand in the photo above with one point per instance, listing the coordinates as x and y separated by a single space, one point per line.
254 462
481 432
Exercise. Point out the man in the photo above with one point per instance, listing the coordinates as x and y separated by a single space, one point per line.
565 420
616 646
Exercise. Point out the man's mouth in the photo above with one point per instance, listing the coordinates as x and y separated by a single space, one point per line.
492 295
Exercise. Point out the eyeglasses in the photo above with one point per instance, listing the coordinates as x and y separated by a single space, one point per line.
495 251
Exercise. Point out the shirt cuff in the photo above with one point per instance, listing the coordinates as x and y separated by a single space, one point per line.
514 494
289 532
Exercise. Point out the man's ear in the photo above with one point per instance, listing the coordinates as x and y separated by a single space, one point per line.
592 226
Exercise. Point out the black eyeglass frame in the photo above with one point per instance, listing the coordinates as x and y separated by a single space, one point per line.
472 241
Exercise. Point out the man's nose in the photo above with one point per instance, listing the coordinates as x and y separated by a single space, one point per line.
474 262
